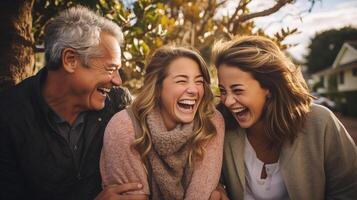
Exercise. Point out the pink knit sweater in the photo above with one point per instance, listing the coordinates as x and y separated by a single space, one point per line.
120 163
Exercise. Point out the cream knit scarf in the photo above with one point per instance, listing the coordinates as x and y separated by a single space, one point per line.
168 159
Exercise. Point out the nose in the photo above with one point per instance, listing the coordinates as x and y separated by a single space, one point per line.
229 100
192 89
116 79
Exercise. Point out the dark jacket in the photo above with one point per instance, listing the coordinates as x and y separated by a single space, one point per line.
35 161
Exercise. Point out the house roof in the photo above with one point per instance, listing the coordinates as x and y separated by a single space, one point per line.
331 70
348 46
352 44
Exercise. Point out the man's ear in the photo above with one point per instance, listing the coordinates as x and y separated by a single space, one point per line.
70 60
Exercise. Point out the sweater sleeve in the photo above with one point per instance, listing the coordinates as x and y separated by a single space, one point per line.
120 163
340 161
206 174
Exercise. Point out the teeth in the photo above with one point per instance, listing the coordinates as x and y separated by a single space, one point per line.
237 110
188 102
104 90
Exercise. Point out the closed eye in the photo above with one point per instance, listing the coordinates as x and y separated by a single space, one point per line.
237 91
200 81
181 81
110 71
112 68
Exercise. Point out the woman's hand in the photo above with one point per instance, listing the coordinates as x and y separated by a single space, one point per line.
115 192
219 194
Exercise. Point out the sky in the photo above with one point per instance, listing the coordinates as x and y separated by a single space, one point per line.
325 15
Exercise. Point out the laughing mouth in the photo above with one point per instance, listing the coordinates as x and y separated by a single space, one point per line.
239 111
103 91
187 104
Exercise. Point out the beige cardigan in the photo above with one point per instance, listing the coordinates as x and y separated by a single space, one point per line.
320 164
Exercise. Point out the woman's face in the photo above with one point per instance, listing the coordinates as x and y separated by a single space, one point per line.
242 95
181 93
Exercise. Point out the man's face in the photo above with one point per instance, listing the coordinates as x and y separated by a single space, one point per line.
93 82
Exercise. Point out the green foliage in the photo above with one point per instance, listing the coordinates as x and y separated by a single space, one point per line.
145 27
149 24
43 10
325 46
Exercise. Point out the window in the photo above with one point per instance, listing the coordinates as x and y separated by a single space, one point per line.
354 71
342 77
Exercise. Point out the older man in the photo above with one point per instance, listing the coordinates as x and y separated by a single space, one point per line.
52 124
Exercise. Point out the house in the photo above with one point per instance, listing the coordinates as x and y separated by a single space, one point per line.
339 82
342 75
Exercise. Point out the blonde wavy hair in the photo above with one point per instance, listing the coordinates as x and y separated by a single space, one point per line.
149 98
285 111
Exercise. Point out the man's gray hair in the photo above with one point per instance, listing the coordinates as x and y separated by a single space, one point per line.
78 28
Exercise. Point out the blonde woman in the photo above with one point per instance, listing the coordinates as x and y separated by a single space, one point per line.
171 138
278 145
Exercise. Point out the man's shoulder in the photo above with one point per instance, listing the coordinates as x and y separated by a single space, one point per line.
13 98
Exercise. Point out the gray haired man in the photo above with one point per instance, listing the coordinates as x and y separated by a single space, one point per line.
52 124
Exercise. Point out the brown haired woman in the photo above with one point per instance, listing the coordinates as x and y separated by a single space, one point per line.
278 145
171 138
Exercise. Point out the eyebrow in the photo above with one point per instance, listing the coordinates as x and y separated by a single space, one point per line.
185 76
232 86
236 85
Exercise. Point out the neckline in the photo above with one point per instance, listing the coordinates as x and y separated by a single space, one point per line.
252 151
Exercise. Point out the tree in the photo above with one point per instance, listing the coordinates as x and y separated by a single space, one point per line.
16 47
147 25
325 46
197 23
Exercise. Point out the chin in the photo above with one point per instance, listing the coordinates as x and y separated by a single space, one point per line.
186 120
244 124
98 106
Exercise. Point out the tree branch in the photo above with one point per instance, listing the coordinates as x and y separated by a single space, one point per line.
299 15
209 13
276 7
241 5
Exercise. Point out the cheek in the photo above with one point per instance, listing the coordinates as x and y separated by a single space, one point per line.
167 99
251 98
259 104
84 86
104 78
201 91
177 91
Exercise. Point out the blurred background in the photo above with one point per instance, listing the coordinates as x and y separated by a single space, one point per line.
318 35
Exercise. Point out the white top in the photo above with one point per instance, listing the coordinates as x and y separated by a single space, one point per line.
272 187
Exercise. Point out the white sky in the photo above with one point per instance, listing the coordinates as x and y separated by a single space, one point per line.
326 14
